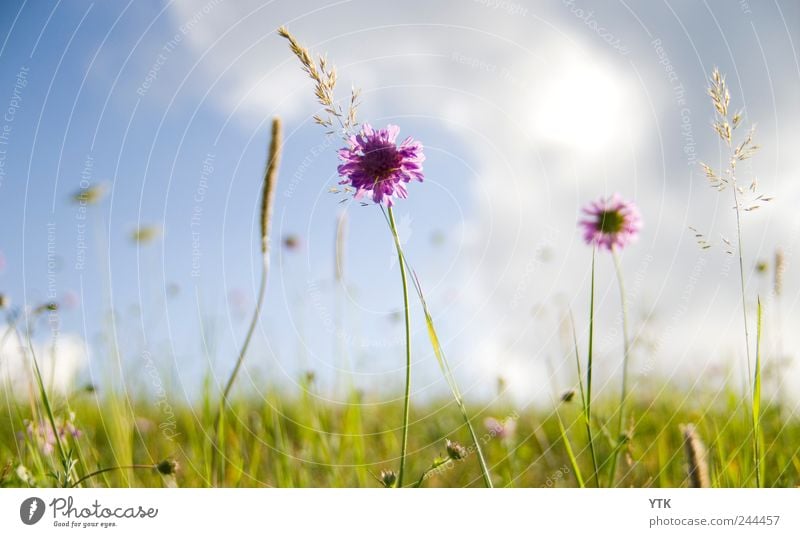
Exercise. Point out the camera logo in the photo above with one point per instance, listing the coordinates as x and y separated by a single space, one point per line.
31 511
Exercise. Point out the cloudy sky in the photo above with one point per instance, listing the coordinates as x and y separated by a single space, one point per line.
527 110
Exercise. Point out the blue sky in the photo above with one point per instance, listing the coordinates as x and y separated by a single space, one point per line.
527 111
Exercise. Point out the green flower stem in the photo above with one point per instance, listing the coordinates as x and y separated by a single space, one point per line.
625 361
431 468
407 396
588 405
440 356
584 405
114 469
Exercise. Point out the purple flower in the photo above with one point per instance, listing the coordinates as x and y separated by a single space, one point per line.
374 163
611 222
501 429
42 434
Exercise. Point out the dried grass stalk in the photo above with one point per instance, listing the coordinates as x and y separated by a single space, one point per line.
325 78
696 463
270 178
267 197
780 268
341 233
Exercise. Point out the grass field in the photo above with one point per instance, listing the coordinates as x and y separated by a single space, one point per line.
303 442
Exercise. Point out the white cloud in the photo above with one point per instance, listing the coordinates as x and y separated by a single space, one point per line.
60 362
549 119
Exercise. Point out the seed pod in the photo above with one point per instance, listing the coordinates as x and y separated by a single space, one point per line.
388 478
696 464
167 467
455 450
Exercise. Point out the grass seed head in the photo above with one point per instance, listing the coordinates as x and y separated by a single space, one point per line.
455 450
270 178
696 464
388 478
780 268
167 467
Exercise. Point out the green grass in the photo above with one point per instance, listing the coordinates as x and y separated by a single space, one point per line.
301 441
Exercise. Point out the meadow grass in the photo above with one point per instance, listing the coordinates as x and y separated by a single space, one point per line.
286 440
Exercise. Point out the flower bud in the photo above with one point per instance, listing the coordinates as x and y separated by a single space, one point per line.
167 467
388 478
455 450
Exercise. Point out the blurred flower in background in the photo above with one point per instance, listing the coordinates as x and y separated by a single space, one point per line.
611 222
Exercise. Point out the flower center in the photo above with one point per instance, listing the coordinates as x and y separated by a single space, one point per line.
611 222
381 162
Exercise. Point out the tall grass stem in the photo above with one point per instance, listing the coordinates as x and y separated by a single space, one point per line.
584 400
589 363
407 316
267 198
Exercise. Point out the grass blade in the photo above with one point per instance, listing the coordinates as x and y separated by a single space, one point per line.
757 401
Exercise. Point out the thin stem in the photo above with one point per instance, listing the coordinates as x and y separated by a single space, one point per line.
49 410
267 197
113 469
432 467
445 367
589 373
481 460
744 313
741 271
253 323
757 400
570 454
625 362
407 396
218 422
45 399
584 408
